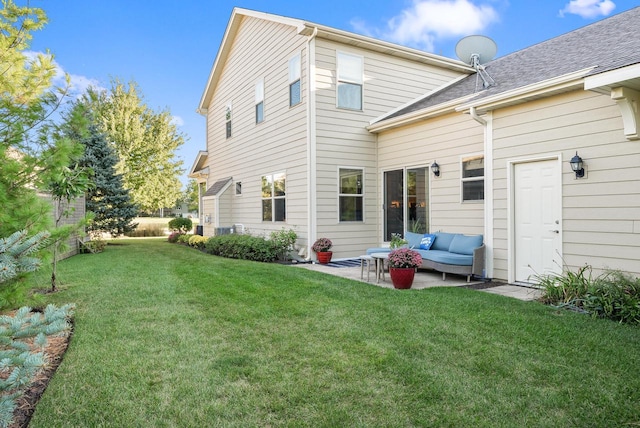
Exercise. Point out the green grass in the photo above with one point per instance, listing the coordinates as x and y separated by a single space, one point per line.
167 336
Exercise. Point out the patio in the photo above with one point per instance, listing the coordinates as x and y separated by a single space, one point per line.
423 279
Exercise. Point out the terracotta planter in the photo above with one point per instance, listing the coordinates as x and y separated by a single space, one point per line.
402 278
324 257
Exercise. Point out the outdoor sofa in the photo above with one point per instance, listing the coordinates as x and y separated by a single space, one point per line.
446 252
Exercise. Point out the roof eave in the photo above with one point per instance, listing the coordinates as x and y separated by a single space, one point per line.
545 88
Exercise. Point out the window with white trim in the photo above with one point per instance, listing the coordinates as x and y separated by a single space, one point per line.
472 180
260 101
295 71
350 194
350 81
227 118
273 197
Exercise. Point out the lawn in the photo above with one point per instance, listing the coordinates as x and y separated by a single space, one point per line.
167 336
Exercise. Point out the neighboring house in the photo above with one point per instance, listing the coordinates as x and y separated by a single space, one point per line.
352 160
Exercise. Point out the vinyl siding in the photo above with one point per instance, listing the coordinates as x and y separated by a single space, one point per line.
601 212
343 141
446 140
261 49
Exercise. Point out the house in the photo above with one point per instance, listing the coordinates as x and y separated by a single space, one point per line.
354 160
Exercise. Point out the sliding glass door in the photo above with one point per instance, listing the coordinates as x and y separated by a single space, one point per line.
406 201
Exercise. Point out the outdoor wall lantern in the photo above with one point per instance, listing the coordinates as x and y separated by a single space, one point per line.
576 165
435 168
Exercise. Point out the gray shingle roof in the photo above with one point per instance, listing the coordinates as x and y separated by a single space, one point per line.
606 45
217 187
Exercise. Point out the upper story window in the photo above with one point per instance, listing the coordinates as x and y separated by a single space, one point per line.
260 101
350 81
295 95
227 118
350 194
273 197
472 178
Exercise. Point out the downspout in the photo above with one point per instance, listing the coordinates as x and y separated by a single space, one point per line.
312 216
488 187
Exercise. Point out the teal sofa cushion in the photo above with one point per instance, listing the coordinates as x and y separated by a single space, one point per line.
442 241
413 239
463 244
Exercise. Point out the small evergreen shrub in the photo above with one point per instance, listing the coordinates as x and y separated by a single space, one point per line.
246 247
181 224
197 241
184 239
173 238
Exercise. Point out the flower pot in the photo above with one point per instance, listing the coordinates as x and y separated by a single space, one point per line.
324 257
402 278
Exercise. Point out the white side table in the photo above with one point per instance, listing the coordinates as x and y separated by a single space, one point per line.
365 260
380 258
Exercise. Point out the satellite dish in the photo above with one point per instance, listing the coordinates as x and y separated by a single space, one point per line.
476 50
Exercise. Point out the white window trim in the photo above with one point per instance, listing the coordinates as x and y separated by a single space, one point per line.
362 195
259 98
273 198
228 108
361 82
295 78
464 158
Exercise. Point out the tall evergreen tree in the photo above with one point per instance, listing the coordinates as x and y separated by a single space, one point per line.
107 199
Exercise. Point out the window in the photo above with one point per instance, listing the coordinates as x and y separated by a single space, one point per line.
273 197
260 101
350 81
473 178
295 96
238 187
227 119
350 194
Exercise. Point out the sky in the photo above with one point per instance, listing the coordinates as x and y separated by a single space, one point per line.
168 46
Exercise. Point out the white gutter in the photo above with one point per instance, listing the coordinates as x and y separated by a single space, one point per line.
312 200
488 187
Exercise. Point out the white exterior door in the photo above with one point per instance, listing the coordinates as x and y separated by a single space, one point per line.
537 219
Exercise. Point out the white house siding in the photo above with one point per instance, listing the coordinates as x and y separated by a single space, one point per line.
343 141
261 49
208 210
601 212
446 140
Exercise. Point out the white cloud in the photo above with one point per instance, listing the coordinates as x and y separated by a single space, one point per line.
177 121
588 8
428 20
78 84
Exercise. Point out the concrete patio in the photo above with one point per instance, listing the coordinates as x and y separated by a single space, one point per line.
423 279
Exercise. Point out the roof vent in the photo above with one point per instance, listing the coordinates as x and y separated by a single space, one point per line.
477 50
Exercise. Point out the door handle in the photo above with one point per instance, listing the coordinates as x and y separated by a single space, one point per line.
555 231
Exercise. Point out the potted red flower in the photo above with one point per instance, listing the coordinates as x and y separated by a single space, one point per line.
321 247
402 266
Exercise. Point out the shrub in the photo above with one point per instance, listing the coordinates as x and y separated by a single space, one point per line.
197 241
615 296
96 245
566 289
146 230
181 224
245 247
184 239
283 241
173 238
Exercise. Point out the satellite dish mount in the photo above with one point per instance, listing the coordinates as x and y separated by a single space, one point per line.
477 50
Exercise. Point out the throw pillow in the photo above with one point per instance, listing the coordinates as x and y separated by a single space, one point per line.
427 241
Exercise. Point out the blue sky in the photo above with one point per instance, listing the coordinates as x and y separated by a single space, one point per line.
168 46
